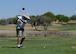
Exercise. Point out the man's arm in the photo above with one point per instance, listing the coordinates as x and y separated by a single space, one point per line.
20 18
24 21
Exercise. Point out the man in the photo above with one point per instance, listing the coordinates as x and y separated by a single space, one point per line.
21 21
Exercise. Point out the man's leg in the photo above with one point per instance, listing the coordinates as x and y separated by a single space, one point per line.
22 40
18 37
18 42
23 37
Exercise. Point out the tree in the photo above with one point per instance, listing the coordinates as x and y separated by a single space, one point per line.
73 17
51 15
11 20
45 21
62 18
35 22
32 20
3 22
41 20
66 19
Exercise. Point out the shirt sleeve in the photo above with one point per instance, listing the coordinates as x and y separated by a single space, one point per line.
20 17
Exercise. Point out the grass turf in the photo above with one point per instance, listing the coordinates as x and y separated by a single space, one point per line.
40 45
68 27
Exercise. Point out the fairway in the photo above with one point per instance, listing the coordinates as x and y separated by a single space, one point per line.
40 45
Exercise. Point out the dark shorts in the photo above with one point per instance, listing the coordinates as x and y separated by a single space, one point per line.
20 32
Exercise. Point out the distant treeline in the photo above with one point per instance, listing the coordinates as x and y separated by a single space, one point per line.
44 19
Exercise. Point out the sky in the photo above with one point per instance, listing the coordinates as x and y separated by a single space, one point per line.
11 8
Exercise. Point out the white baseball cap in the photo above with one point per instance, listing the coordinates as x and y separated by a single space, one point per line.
27 16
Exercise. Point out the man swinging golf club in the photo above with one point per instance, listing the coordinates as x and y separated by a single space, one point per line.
21 21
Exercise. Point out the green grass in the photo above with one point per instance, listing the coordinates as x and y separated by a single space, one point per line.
35 45
68 27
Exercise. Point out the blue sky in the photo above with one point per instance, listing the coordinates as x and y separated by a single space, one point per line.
11 8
